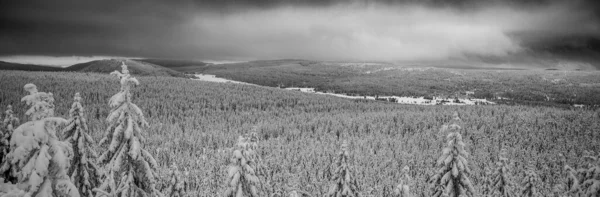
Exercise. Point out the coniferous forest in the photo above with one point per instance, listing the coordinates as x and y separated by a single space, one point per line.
84 134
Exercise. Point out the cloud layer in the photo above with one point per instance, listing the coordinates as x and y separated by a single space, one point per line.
321 30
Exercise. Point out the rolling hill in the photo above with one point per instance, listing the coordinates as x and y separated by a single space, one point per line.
100 66
563 86
135 67
178 65
27 67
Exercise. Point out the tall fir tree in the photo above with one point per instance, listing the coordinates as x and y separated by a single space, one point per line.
84 172
585 181
177 185
488 183
590 176
130 170
531 181
8 127
403 189
242 180
501 179
572 181
37 158
344 182
452 178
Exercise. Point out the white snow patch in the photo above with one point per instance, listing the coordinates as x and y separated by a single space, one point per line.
217 62
213 78
403 100
311 90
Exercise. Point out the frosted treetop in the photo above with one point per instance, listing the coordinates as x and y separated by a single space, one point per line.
42 104
127 81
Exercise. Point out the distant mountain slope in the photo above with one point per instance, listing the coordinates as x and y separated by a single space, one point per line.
135 67
27 67
178 65
565 86
266 63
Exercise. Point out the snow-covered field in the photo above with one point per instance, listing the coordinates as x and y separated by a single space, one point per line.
417 100
396 99
310 90
404 99
213 78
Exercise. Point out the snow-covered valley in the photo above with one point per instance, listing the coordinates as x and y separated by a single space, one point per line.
394 99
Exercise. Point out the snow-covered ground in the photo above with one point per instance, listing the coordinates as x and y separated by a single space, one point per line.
311 90
217 62
404 100
213 78
396 99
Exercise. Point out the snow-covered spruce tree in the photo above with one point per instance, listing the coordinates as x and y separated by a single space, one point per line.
452 178
488 183
501 180
292 185
83 172
590 177
242 180
403 189
177 185
37 158
558 191
572 182
455 120
530 182
250 146
584 181
129 170
344 183
8 125
10 190
50 101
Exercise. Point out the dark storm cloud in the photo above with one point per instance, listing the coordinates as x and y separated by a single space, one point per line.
312 29
85 27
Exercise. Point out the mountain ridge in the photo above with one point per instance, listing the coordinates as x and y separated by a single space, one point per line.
100 66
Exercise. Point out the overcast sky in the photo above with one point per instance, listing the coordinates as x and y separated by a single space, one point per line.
276 29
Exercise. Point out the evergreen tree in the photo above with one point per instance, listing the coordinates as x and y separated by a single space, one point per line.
488 183
501 178
452 178
403 189
130 170
37 158
293 184
177 185
83 172
584 181
42 103
250 145
344 183
572 184
531 181
10 190
590 177
8 125
242 180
